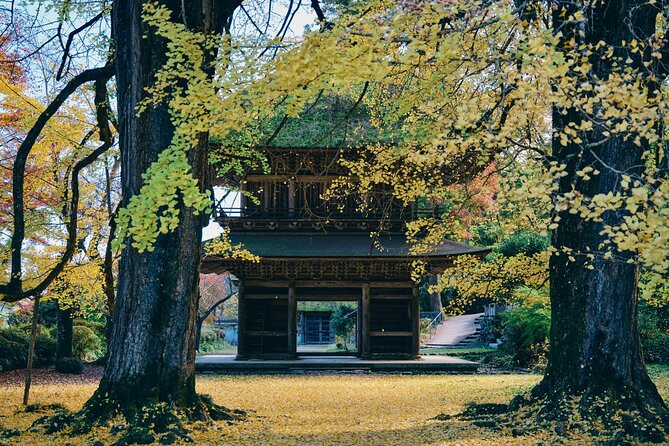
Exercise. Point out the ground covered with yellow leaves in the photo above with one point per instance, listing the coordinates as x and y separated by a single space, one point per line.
342 409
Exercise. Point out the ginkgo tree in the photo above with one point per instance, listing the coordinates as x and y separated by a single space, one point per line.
150 287
164 171
511 77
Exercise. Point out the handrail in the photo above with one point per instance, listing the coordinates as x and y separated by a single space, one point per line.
432 327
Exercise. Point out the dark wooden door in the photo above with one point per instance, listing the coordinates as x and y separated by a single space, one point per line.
317 329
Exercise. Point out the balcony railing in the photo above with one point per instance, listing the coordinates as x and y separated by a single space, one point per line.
391 213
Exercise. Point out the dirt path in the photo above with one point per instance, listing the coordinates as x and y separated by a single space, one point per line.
91 375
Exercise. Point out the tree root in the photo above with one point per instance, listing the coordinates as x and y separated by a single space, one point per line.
609 421
138 425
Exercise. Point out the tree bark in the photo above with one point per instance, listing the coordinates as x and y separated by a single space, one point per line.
435 297
110 292
152 346
64 333
31 351
595 351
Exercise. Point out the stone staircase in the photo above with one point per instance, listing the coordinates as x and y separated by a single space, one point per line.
472 339
458 332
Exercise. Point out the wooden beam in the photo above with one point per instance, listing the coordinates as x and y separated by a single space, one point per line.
392 296
358 329
266 296
366 321
292 321
328 284
302 297
391 333
253 178
265 333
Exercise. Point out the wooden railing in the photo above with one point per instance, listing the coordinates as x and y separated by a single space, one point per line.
493 310
322 212
432 327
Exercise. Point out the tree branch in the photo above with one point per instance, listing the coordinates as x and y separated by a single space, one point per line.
325 24
70 37
211 309
107 266
13 290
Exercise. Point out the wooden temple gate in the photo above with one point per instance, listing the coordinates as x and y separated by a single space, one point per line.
311 249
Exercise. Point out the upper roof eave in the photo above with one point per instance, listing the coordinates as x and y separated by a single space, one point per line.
345 246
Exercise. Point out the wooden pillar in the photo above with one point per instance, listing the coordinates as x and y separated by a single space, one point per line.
366 320
292 321
415 321
291 197
358 331
267 205
242 200
241 325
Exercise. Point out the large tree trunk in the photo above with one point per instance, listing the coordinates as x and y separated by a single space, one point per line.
64 333
435 297
595 353
152 346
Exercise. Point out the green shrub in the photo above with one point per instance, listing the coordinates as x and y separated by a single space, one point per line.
72 366
491 329
210 343
100 328
526 329
654 337
86 344
526 242
217 345
424 324
45 349
499 359
14 349
208 334
487 234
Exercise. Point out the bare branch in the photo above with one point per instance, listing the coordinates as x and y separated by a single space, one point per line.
13 290
70 37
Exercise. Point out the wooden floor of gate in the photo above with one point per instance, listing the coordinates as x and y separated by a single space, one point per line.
426 364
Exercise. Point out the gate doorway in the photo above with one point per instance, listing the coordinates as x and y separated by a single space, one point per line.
327 328
273 320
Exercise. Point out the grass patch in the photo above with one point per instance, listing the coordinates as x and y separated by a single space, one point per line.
475 354
660 375
218 346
